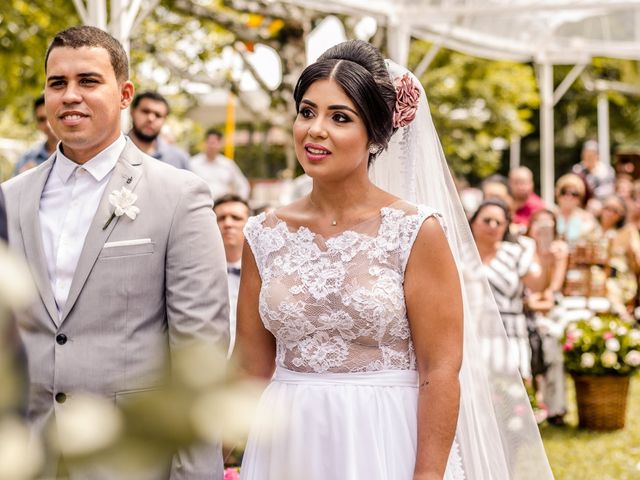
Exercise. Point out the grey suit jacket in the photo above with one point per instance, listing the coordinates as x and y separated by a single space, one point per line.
129 304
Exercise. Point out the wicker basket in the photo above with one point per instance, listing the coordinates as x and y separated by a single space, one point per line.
602 401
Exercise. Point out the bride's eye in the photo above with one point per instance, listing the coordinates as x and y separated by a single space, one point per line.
305 112
341 117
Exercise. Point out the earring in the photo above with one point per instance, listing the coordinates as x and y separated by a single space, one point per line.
374 148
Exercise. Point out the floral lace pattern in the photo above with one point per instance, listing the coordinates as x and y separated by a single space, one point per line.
337 304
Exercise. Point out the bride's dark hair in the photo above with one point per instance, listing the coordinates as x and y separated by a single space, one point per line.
360 70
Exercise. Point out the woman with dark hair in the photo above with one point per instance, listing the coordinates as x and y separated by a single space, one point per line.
624 254
351 300
547 318
509 266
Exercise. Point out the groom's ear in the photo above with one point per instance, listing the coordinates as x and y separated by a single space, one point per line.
126 94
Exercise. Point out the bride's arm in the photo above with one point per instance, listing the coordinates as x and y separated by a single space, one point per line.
434 308
256 347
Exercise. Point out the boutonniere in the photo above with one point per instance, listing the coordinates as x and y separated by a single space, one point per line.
123 202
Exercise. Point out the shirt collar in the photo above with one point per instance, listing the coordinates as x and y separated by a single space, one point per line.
98 167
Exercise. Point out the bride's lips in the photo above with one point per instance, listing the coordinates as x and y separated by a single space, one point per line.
71 118
315 152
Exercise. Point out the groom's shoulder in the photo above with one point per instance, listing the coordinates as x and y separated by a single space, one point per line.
157 171
24 180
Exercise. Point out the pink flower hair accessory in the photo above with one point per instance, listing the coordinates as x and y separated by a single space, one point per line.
407 96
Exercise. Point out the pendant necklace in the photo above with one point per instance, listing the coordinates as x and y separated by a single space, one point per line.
334 222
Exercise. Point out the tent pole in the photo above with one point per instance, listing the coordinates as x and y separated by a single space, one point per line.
546 131
603 128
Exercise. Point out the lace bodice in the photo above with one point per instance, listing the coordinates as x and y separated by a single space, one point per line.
337 304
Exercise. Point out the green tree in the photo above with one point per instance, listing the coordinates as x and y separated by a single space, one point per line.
475 101
26 27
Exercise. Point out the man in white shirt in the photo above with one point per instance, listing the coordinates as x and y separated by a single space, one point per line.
232 213
219 172
124 251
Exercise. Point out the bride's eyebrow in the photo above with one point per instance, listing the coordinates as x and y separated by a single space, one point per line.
330 107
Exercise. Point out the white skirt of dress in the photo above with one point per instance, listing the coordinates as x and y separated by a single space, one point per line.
351 426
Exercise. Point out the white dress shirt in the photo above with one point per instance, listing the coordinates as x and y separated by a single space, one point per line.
68 203
222 175
233 278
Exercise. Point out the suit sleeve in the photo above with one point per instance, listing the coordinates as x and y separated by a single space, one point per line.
197 304
196 276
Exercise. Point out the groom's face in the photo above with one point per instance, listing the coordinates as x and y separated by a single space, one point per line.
83 100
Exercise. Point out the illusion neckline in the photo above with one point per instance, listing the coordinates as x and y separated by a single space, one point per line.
350 229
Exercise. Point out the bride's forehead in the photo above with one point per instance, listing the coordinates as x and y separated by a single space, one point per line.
327 91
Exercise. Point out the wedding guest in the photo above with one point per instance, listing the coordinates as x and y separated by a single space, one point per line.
149 111
623 254
574 224
219 172
120 289
599 176
43 151
232 213
351 300
510 266
525 200
547 317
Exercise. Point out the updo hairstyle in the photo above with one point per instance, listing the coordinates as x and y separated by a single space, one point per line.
360 70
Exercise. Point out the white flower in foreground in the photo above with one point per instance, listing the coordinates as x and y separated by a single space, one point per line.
596 323
634 336
21 456
632 358
87 424
16 285
587 360
228 411
609 359
612 344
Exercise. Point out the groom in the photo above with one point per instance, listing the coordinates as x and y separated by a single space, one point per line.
119 288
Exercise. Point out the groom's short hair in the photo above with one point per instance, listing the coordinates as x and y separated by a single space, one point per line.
87 36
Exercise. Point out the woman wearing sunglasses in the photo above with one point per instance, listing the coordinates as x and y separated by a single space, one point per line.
573 223
510 265
624 254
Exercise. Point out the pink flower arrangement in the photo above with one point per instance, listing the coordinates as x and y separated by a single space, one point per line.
407 96
232 474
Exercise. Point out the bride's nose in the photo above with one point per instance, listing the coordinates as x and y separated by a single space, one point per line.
316 129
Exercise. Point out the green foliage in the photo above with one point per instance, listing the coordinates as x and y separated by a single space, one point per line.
475 101
26 28
602 345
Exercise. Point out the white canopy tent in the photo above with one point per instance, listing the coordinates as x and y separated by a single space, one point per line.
545 32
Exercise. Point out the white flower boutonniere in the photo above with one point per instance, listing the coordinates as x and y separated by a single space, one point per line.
123 200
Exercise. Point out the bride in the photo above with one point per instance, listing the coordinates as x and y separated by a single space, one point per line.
353 301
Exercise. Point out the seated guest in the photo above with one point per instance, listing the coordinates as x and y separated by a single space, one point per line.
525 200
574 224
624 254
549 374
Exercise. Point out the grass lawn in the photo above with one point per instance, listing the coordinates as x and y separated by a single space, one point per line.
585 455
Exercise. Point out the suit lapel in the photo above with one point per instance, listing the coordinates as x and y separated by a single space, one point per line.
32 237
127 173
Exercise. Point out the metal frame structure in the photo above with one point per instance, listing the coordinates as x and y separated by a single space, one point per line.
544 32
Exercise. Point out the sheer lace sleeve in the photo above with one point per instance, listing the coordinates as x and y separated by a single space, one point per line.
252 232
411 226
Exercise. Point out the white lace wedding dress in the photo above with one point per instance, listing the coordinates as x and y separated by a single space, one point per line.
343 401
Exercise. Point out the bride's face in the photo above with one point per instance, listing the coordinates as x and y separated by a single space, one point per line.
330 137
